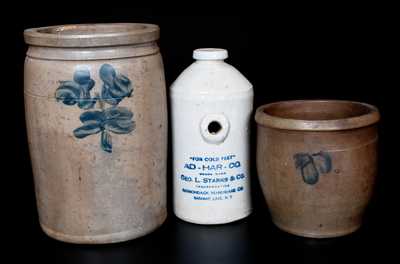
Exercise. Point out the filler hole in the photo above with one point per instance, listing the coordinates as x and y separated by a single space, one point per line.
214 127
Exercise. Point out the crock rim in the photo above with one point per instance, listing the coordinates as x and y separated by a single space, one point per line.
125 34
268 120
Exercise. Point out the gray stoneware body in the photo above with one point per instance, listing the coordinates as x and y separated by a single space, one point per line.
96 117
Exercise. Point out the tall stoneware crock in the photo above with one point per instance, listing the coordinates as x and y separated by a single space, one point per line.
317 161
96 116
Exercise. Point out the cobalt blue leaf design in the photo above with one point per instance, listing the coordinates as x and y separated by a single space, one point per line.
119 120
115 119
77 91
82 76
305 164
323 161
89 128
86 102
312 165
122 87
107 74
92 115
68 92
118 112
116 86
106 143
106 97
120 126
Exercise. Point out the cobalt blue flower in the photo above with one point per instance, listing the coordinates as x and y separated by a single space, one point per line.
118 120
68 92
77 91
115 86
312 165
114 119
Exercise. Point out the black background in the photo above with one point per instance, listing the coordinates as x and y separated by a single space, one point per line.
285 55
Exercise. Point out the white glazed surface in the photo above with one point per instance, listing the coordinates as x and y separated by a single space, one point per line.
211 90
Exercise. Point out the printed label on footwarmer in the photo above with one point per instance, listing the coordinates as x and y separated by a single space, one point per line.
212 178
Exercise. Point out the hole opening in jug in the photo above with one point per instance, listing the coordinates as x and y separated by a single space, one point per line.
214 127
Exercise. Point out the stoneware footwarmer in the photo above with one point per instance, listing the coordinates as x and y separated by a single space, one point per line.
97 127
317 162
211 106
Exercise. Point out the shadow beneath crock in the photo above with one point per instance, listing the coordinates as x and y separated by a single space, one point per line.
147 249
352 247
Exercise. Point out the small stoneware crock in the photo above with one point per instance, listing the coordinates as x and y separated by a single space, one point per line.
317 162
96 116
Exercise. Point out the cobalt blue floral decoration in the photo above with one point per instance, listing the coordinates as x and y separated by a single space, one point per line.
115 119
313 165
77 91
115 87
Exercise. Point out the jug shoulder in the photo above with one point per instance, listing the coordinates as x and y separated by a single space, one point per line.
211 77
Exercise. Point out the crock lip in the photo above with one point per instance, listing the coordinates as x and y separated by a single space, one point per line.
267 120
135 33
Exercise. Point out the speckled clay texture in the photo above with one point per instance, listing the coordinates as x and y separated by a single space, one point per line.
85 194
